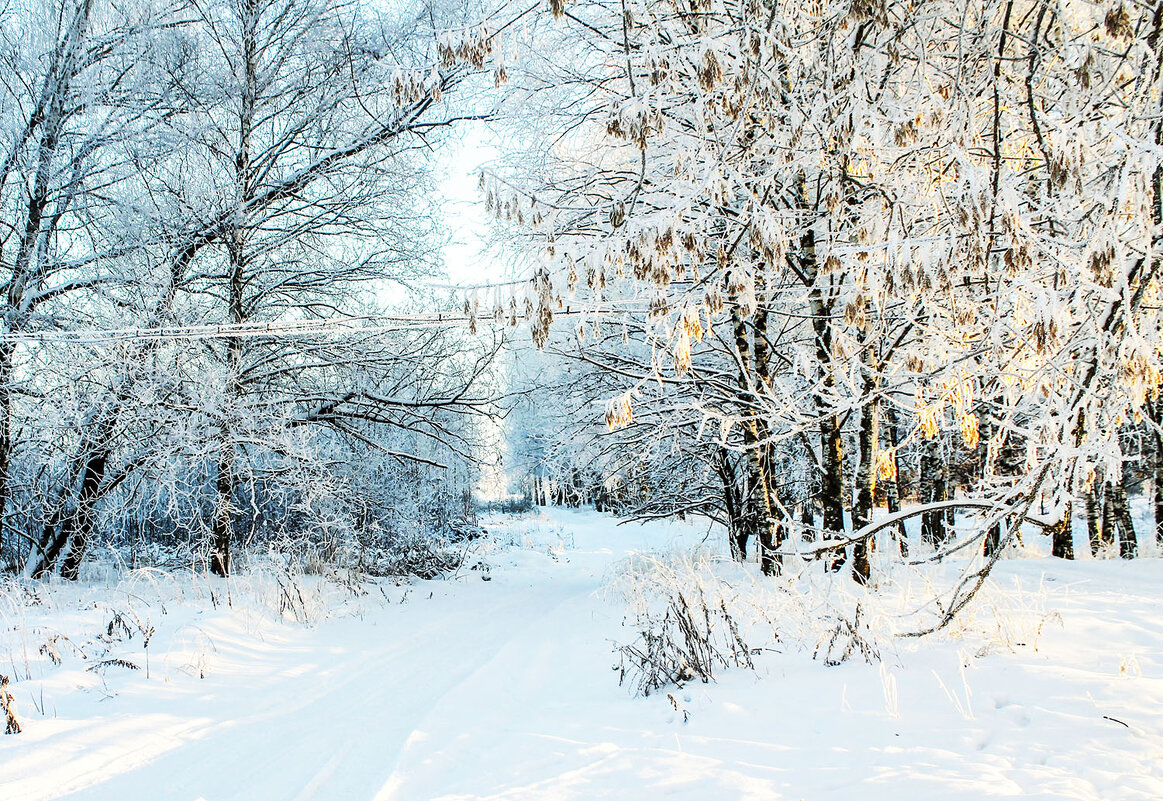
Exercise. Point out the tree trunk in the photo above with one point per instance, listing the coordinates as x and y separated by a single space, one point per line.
69 530
227 481
892 488
993 536
1093 522
79 525
992 539
831 440
6 354
1062 535
223 511
238 250
932 490
807 514
1128 542
867 440
769 560
831 488
760 518
732 506
1106 533
771 533
832 485
1154 409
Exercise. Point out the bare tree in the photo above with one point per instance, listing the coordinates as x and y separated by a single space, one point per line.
290 195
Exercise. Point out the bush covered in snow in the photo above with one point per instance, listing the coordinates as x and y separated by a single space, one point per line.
691 614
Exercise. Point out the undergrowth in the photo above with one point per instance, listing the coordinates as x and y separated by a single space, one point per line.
693 614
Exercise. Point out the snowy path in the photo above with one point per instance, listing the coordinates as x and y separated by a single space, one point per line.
504 690
347 709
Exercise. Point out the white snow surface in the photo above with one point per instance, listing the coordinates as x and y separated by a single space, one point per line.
463 688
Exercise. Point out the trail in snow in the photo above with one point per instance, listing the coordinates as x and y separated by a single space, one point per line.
503 689
329 712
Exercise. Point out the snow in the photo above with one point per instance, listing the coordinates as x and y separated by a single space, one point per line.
503 689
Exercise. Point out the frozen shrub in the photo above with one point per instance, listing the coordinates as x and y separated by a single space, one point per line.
688 640
412 554
685 621
695 614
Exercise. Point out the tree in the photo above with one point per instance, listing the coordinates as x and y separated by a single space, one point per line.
298 135
79 111
890 201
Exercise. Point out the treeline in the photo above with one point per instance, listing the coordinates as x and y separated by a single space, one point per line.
638 473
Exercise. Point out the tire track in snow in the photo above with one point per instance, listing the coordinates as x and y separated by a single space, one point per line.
323 738
518 639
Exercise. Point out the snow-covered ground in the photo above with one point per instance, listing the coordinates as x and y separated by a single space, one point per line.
503 688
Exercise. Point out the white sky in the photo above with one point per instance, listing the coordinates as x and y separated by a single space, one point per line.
466 256
469 262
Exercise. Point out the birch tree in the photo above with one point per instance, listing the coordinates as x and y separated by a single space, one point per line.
954 211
